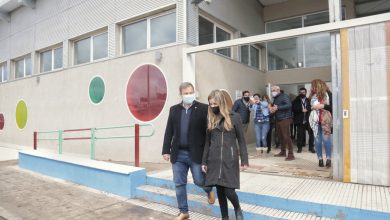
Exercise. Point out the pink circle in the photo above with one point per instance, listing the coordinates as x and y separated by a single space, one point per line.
1 121
146 92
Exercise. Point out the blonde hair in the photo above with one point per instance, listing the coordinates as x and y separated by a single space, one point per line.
225 103
319 88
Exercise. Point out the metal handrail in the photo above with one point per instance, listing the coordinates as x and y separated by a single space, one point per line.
94 138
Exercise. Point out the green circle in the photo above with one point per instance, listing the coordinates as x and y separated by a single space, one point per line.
96 90
21 114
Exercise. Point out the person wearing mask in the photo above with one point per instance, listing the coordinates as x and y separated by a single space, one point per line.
261 122
221 155
183 145
242 107
302 109
321 120
282 109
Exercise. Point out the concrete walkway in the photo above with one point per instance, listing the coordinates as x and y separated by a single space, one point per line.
27 195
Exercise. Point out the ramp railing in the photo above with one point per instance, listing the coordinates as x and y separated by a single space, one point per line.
94 136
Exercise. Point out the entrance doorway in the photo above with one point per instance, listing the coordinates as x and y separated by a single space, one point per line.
305 163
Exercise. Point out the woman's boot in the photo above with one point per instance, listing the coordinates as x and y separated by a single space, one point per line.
328 163
239 215
321 163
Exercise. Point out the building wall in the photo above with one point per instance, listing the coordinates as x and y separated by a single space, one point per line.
293 8
244 16
367 136
60 100
52 22
214 71
299 75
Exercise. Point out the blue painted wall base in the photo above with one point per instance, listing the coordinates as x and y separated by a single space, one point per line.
119 183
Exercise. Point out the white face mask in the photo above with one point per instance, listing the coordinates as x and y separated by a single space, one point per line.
274 94
188 99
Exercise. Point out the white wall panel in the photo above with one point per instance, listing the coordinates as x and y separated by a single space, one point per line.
22 18
22 43
369 104
379 85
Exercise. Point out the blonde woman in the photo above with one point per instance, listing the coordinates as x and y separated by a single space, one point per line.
321 120
221 155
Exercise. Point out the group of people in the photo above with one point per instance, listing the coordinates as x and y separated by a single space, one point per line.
311 114
203 138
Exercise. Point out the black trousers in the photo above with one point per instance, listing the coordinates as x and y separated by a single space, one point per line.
301 135
225 193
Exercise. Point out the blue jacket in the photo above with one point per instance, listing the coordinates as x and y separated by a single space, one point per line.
284 107
242 110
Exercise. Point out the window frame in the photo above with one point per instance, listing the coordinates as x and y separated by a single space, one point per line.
249 53
52 49
3 71
24 66
91 40
303 16
227 30
148 32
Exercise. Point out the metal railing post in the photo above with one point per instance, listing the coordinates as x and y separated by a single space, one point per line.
60 141
136 139
92 143
35 140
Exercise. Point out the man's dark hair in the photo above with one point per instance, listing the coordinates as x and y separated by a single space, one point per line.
303 88
244 92
257 94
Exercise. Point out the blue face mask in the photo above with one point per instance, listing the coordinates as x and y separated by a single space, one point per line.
264 103
188 99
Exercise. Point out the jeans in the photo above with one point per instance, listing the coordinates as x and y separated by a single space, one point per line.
261 130
327 141
180 171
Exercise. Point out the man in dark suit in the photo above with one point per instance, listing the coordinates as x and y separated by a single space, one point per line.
184 141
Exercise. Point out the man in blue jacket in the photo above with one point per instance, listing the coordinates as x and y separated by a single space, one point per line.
184 141
283 115
242 107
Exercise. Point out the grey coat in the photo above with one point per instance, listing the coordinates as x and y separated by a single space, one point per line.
221 154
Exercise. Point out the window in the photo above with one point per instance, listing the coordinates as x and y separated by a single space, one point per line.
51 60
211 33
3 72
163 30
249 54
23 67
304 51
150 32
91 48
134 36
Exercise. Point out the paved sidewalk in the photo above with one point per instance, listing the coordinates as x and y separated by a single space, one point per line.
27 195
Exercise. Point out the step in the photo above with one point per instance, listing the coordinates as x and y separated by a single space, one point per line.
198 203
168 209
315 197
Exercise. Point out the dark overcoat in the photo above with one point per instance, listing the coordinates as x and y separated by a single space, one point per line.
221 154
196 131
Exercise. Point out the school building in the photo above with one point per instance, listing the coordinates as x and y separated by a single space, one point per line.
82 64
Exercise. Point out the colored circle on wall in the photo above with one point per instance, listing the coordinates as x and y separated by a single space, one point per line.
1 121
146 92
21 114
96 89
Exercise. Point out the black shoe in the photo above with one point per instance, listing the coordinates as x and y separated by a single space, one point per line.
312 150
225 218
299 150
239 215
321 163
328 163
268 150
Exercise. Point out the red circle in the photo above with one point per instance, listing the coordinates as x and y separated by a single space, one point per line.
1 121
146 92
